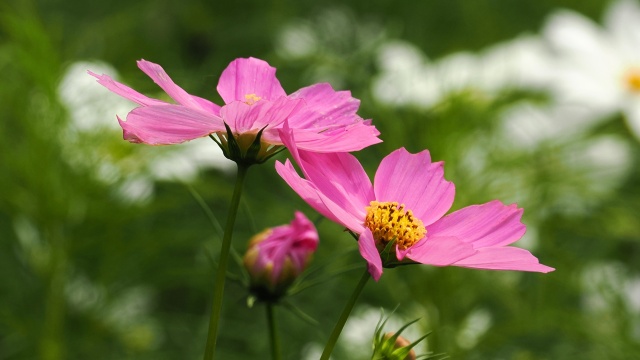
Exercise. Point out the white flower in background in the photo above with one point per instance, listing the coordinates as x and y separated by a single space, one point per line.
526 126
93 140
90 107
585 167
407 77
312 351
607 285
599 67
524 62
476 324
632 294
331 44
297 40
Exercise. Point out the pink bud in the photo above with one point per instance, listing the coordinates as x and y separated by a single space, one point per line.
277 256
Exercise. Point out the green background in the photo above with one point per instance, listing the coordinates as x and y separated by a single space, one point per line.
85 274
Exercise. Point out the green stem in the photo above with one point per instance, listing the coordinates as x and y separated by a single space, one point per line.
221 273
335 334
273 333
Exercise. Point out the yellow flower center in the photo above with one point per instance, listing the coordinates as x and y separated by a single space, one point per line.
388 221
632 79
251 99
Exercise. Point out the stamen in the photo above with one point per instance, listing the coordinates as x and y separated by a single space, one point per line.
389 221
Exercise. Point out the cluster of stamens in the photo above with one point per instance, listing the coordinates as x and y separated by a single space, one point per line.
389 221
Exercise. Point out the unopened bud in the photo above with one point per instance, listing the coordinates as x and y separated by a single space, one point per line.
277 256
399 343
392 346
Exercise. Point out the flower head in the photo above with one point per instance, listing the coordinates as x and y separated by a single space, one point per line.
400 217
599 66
277 256
255 107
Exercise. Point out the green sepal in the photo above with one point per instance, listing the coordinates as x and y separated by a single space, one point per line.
234 153
254 149
387 252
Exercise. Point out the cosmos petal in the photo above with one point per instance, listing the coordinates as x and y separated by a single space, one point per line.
368 250
440 251
243 117
571 32
489 224
412 179
621 19
503 258
168 124
350 138
305 189
249 76
160 77
326 108
339 177
125 91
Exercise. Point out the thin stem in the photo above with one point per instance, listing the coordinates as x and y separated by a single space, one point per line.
273 333
335 334
218 290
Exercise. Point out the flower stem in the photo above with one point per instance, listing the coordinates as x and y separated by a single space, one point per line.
273 333
335 334
218 290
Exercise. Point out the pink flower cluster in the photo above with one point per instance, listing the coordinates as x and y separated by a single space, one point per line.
399 218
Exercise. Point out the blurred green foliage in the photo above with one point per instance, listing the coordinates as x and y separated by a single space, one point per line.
85 274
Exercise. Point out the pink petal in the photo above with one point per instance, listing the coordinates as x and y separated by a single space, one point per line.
490 224
346 139
168 124
303 188
368 250
249 77
340 180
326 108
340 177
125 91
440 251
160 77
503 258
401 253
412 179
334 170
243 117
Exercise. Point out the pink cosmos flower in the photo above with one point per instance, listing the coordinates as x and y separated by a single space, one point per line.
323 120
400 217
277 256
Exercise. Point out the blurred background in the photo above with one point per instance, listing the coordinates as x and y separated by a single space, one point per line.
107 253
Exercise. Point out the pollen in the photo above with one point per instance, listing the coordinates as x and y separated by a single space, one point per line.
389 221
251 99
632 79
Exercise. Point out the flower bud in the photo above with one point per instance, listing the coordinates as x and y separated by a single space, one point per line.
392 346
277 256
399 343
